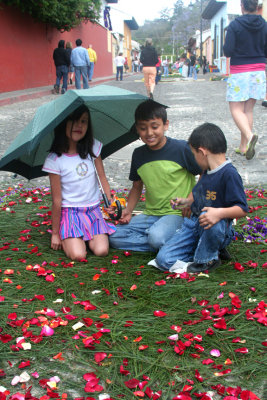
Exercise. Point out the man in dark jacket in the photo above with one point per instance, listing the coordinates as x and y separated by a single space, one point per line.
62 62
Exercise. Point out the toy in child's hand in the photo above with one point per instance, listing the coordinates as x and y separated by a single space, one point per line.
179 203
116 203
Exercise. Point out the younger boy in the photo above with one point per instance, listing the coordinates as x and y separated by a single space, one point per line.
216 199
166 167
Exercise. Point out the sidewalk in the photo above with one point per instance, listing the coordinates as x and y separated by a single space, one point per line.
33 93
191 103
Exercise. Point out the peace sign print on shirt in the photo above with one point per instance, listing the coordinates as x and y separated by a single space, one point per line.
82 169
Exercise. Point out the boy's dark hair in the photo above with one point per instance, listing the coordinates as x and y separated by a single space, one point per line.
84 146
149 109
209 136
78 42
250 5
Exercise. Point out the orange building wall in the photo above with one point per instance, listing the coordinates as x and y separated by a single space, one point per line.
26 50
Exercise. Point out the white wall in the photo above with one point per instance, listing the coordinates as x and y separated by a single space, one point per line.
216 20
233 7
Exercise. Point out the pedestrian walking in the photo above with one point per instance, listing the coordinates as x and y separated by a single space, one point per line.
193 67
158 67
71 68
126 66
93 60
119 62
149 59
62 62
80 61
136 64
246 44
165 64
76 215
204 66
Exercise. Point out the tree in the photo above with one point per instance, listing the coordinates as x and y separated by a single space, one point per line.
63 15
159 31
186 20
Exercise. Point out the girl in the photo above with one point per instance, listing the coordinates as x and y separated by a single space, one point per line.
76 215
246 44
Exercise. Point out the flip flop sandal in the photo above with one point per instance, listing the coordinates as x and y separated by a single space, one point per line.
251 147
241 153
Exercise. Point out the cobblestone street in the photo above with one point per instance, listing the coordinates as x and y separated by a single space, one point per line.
191 103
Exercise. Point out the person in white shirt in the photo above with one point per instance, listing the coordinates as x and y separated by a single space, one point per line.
119 62
76 215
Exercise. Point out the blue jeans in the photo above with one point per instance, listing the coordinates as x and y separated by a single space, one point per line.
166 71
81 71
62 72
119 72
193 72
194 243
145 232
91 70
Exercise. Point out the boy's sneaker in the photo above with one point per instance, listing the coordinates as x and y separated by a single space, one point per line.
224 255
154 263
56 89
63 91
209 266
179 267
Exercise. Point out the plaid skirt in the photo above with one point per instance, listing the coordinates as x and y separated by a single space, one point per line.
246 85
84 222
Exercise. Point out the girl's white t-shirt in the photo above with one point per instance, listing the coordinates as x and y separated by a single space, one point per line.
79 184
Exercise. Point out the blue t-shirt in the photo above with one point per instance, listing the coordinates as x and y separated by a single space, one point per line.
221 187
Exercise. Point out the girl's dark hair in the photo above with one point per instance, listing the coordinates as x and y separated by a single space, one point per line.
250 5
84 146
149 109
209 136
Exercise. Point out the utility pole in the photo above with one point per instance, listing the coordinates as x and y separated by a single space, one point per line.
201 29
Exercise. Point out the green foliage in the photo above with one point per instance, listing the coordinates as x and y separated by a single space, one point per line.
63 15
160 32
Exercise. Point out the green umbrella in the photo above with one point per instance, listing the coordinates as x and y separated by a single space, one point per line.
112 113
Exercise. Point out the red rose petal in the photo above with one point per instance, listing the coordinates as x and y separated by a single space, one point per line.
159 313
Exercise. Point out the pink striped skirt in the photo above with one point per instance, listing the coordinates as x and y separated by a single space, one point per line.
84 222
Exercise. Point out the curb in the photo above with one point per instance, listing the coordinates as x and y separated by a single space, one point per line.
42 92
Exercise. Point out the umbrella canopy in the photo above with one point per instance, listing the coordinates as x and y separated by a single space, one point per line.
112 114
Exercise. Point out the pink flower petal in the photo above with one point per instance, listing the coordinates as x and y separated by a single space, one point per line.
47 331
215 353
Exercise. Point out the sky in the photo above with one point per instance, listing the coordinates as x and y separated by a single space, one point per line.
144 9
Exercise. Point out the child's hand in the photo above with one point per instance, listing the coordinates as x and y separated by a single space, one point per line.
210 217
179 203
126 217
56 241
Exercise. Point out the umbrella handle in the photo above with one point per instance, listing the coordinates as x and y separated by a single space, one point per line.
118 205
